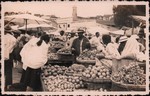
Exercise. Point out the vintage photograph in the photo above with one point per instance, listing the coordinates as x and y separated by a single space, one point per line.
75 47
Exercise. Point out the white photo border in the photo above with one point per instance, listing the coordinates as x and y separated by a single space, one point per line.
82 93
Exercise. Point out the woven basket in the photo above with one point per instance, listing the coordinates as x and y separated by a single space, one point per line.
96 80
85 61
66 57
129 87
96 84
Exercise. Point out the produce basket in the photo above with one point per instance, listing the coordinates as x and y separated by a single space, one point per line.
86 62
125 62
65 56
117 86
96 80
119 63
96 84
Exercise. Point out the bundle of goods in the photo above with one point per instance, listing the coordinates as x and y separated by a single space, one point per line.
88 56
131 77
96 77
64 51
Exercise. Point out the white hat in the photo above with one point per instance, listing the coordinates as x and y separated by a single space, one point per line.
123 38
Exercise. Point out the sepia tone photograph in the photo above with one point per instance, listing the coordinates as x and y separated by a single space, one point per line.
75 48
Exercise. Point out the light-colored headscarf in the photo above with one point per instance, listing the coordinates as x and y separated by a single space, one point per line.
132 49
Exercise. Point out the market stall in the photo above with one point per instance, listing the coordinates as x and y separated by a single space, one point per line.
88 74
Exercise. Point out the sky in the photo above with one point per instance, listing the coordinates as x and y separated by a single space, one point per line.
60 9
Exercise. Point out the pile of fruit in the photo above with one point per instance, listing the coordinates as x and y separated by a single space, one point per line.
131 74
89 54
97 72
53 56
55 70
58 84
64 51
55 79
62 83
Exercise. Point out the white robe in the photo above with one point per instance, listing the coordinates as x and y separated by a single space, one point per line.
34 56
9 44
132 50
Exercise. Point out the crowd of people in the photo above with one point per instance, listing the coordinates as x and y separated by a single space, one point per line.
30 51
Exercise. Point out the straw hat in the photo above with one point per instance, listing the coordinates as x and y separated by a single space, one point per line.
80 31
123 38
8 29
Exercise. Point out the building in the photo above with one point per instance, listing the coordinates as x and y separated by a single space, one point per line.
75 21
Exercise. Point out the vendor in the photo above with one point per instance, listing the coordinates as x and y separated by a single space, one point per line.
34 56
9 44
110 50
81 43
133 49
122 41
96 41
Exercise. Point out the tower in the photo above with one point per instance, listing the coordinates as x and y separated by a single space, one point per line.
74 13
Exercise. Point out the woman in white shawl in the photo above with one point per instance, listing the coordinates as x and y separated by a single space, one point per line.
34 56
133 49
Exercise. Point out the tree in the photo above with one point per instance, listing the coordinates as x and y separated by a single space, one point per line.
122 13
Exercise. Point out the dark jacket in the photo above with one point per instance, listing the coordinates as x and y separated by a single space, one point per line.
76 45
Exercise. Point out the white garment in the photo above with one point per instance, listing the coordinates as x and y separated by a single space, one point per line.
9 44
95 41
132 50
111 51
34 56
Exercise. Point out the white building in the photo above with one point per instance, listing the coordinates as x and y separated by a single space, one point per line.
75 22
